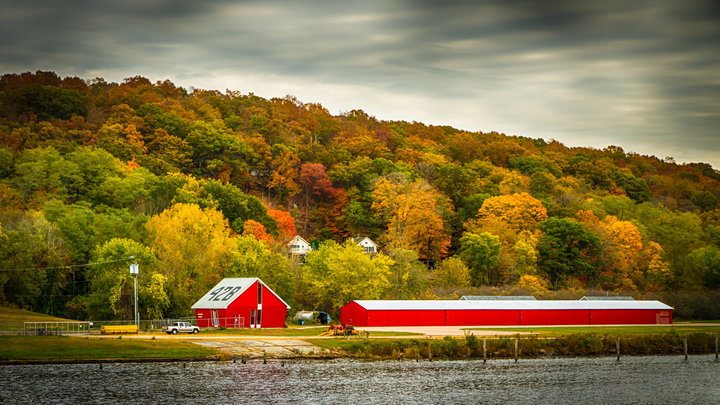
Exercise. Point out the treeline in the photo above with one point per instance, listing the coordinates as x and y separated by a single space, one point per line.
199 185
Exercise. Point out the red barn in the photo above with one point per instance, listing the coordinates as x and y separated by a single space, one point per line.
503 312
241 303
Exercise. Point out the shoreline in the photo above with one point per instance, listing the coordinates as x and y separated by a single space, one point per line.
408 348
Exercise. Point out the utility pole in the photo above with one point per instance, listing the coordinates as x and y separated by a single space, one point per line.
135 270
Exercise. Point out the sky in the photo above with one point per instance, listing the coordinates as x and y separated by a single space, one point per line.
643 75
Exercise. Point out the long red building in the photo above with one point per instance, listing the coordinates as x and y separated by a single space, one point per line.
504 312
241 303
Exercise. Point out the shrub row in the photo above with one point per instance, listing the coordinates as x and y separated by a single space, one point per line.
586 344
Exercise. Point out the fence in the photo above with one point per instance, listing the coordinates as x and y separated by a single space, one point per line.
147 325
56 328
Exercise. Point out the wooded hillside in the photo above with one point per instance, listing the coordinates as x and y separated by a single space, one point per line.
198 185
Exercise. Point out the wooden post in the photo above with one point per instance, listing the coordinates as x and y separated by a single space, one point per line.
484 350
685 346
429 352
516 349
264 357
617 347
716 349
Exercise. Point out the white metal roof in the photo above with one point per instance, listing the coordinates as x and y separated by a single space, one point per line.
506 304
226 291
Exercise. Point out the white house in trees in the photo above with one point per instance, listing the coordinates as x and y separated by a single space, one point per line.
299 246
367 244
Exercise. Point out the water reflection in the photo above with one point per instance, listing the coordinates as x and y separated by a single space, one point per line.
636 380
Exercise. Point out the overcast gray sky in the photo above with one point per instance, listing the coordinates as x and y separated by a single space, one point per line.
643 75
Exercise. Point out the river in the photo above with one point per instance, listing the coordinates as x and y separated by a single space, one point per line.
633 380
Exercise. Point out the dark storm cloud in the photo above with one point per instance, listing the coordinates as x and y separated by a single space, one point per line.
641 74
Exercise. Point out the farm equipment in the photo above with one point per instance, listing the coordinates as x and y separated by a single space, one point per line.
341 330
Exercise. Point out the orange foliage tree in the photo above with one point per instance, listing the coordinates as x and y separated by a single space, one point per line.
286 224
620 250
256 230
414 216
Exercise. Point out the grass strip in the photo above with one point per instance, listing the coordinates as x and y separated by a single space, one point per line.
48 348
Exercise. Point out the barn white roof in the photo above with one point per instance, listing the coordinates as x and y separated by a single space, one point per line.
226 291
506 304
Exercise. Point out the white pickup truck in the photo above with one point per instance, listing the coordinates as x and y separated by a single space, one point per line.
178 327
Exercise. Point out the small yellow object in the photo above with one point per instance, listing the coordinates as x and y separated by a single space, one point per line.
118 329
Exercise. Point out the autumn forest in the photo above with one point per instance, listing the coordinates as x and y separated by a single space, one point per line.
196 185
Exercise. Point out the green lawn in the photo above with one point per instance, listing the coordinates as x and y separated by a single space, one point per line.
48 348
682 329
12 319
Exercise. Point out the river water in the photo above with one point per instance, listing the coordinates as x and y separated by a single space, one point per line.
633 380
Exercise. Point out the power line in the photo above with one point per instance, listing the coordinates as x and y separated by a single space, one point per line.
69 266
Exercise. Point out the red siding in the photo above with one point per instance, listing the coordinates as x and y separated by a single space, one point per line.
629 316
274 311
555 317
485 317
238 312
203 318
354 314
406 318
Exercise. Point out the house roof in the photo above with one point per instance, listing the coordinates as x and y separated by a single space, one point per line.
226 291
360 239
298 238
506 304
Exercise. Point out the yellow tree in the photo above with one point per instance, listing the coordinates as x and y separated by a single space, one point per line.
514 219
520 211
413 213
193 245
620 250
657 270
286 170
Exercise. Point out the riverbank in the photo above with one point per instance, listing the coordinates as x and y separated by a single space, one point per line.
63 349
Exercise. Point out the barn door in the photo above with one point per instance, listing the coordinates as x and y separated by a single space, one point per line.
256 314
215 318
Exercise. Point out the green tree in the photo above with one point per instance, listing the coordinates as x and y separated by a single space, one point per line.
635 188
44 103
111 293
254 259
39 172
567 250
337 274
451 273
32 256
706 265
408 277
7 162
218 153
82 228
481 253
96 166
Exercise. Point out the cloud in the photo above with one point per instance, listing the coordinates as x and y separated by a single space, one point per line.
642 75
